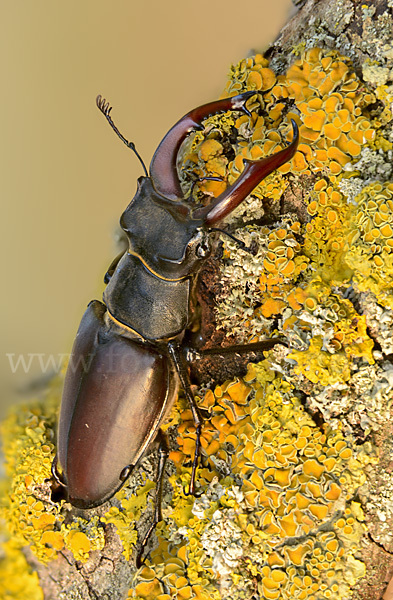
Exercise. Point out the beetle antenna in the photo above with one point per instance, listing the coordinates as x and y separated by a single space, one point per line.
235 239
105 108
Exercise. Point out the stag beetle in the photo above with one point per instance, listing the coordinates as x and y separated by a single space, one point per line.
129 355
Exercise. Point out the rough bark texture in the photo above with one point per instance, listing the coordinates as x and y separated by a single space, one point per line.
362 32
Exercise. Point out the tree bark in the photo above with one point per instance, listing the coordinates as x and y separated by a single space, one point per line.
364 34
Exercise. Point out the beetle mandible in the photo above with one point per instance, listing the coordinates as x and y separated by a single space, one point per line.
129 354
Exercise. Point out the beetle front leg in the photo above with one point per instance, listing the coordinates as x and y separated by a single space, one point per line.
163 452
181 366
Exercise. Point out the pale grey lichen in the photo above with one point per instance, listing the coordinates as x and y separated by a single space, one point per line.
380 320
375 75
364 402
249 210
372 165
380 505
351 187
240 291
222 541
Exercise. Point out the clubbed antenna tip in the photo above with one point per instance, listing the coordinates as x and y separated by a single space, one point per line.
105 108
103 105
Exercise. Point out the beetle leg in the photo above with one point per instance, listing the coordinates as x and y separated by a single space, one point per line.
163 451
180 362
181 367
196 354
240 243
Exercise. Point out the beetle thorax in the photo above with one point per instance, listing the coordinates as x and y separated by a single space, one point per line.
163 234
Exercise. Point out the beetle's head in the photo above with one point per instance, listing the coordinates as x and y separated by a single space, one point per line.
189 227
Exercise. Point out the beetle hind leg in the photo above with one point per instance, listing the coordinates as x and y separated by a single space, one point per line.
249 348
179 360
163 451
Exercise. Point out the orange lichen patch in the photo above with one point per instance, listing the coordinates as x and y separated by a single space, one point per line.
330 100
252 70
171 579
329 357
296 298
374 217
233 397
238 391
78 543
288 525
272 307
313 468
319 510
265 283
326 235
53 539
370 252
278 476
296 553
282 264
319 366
288 469
315 120
329 463
210 149
150 588
282 248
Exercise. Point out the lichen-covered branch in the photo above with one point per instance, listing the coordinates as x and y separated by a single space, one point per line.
295 491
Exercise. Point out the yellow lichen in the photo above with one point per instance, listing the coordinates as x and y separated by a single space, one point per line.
300 267
276 515
32 517
329 98
286 472
17 580
327 233
370 248
29 452
322 93
125 518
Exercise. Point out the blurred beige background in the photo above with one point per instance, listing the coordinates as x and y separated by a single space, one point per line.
65 177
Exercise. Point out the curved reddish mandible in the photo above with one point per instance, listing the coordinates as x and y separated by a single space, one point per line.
254 172
163 170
